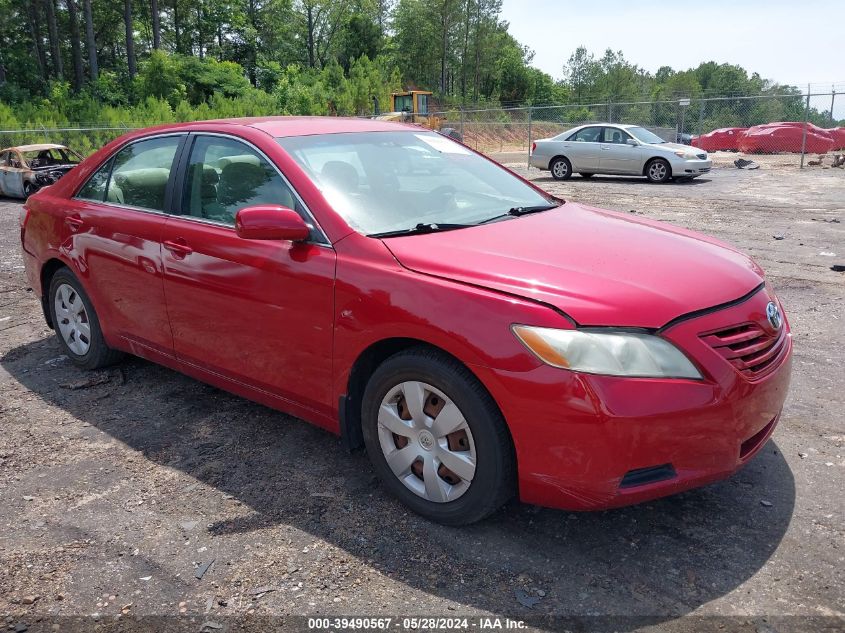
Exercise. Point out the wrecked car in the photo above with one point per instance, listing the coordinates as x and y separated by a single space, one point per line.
27 168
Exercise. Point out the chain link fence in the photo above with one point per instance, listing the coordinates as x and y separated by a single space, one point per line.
787 130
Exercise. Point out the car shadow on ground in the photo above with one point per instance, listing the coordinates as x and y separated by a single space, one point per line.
660 559
628 180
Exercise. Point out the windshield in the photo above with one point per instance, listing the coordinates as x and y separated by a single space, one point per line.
644 136
390 181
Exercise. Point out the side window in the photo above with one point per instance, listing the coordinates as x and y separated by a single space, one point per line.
95 188
587 135
4 159
225 175
14 160
141 171
615 135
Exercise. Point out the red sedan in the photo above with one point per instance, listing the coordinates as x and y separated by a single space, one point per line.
479 337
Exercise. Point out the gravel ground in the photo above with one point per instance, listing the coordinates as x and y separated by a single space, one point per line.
119 488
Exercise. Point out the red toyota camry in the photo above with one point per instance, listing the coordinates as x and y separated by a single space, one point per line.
481 338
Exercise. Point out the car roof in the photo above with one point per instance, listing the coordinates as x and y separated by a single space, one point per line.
623 126
34 147
280 126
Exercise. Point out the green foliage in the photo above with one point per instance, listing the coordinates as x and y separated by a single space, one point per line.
226 58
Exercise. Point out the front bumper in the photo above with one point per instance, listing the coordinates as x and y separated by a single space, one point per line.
588 442
690 168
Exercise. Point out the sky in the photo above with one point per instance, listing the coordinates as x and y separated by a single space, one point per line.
791 42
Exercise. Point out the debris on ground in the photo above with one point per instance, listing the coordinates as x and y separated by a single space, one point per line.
88 381
742 163
526 599
202 569
838 268
261 591
779 236
765 504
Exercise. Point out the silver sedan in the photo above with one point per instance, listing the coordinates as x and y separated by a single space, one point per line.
627 150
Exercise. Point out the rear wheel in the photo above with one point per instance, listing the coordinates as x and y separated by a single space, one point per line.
561 168
76 323
28 189
436 438
658 170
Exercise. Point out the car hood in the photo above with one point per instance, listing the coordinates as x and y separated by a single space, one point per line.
673 147
600 267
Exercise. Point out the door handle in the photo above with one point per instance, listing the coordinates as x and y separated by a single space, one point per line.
73 222
178 248
605 147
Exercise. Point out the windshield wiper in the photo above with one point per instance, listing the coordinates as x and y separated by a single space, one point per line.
518 211
421 228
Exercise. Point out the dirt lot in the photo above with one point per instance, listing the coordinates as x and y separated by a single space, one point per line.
118 488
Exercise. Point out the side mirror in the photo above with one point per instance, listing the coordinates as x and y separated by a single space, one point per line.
270 222
633 142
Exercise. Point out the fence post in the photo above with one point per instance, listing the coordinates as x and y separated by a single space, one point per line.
529 137
832 101
461 109
609 111
701 117
806 120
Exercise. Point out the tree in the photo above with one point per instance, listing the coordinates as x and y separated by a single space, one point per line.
35 32
93 67
360 36
76 50
156 24
53 30
581 73
130 37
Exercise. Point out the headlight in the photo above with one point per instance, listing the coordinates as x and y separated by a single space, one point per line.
611 352
685 155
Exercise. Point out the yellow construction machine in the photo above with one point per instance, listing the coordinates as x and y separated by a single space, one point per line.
411 106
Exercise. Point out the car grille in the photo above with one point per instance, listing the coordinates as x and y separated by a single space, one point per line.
753 351
701 156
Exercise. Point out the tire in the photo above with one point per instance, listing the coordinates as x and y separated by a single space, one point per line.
583 175
481 438
561 168
658 170
85 346
28 190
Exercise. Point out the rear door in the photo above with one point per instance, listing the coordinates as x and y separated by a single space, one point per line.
256 312
583 149
114 226
617 157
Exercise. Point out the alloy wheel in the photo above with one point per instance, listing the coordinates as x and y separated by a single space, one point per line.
72 319
426 441
657 171
560 169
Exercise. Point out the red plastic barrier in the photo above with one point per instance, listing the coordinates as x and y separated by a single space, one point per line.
838 134
785 136
723 139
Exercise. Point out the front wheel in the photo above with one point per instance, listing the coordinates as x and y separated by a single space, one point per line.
561 168
76 323
28 189
658 171
436 438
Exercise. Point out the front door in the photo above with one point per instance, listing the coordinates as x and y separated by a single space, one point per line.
252 311
11 174
617 157
114 226
583 149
